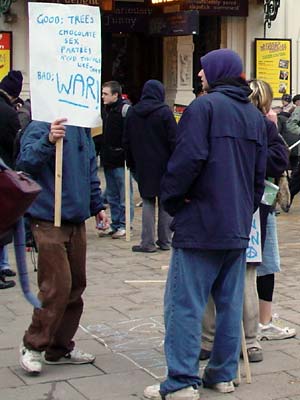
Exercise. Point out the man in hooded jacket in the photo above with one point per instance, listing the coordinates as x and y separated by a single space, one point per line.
213 184
149 139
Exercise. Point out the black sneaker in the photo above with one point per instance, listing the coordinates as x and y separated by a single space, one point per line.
140 249
7 284
7 272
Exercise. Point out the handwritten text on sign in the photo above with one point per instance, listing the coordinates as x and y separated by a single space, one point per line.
65 63
254 246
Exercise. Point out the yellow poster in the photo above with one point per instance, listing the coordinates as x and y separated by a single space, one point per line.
5 53
273 64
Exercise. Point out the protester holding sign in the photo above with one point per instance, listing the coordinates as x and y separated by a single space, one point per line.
61 250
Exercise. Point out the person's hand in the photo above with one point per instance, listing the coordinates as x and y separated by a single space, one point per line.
102 221
57 130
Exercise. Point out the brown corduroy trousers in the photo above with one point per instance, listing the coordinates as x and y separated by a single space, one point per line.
61 281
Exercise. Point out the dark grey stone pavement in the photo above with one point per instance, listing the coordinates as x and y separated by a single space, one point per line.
123 325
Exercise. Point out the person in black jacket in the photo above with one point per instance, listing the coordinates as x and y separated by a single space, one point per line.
149 139
10 88
113 155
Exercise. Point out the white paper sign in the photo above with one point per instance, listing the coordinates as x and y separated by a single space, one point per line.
253 253
65 63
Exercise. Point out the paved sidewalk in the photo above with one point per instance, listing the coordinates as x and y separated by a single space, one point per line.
122 324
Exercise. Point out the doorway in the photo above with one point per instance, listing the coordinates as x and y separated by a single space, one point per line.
131 59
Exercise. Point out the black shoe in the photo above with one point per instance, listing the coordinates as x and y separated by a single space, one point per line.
7 284
7 272
163 247
204 354
139 249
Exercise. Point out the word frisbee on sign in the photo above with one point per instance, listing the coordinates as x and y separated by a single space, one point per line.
65 63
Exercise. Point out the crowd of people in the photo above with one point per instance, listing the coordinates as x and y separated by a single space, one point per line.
206 175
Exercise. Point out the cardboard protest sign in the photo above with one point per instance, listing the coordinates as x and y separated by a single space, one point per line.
253 253
65 63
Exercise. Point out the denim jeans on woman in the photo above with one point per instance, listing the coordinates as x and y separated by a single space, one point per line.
193 275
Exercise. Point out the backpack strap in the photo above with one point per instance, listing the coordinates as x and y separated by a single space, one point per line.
125 109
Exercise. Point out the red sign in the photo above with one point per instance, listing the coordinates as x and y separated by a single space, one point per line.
5 53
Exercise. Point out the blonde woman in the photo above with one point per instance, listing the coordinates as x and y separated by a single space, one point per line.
269 328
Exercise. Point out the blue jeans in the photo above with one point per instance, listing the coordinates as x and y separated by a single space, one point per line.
115 194
270 257
4 264
193 275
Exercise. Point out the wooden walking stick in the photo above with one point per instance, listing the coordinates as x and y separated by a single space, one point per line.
58 181
127 203
245 355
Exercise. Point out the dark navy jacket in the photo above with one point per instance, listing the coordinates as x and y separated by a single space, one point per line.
218 165
277 163
149 138
81 195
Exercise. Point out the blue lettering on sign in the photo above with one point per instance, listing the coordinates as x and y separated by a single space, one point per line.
251 252
88 88
254 223
255 239
80 19
46 19
44 76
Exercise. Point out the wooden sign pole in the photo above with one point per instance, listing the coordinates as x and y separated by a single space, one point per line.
58 181
127 203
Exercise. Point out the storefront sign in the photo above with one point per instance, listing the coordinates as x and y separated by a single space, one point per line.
217 7
127 18
5 53
273 64
105 5
209 7
175 24
65 63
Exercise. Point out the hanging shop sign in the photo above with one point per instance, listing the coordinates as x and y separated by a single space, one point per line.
175 24
105 5
127 18
5 53
273 64
210 7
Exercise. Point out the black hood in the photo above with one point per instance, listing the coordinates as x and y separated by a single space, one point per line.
153 97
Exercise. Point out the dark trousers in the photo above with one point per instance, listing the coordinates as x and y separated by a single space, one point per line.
61 281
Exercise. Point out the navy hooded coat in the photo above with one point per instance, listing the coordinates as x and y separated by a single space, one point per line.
219 166
149 138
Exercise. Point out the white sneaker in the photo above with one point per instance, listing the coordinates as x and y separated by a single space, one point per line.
119 234
30 360
221 387
74 357
275 330
105 232
188 393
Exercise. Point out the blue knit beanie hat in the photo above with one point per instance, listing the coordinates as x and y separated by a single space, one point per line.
220 64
